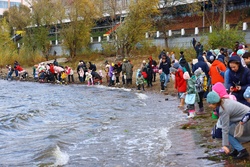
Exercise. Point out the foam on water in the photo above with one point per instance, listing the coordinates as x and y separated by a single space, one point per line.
113 88
141 96
62 158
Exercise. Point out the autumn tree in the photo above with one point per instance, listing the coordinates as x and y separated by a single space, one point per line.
19 16
6 45
136 24
42 18
80 18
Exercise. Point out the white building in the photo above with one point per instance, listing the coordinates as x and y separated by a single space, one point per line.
6 4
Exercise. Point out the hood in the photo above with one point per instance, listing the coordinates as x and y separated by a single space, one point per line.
200 59
236 59
216 62
182 61
220 89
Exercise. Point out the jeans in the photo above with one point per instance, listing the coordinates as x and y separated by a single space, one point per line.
16 72
235 143
9 75
166 79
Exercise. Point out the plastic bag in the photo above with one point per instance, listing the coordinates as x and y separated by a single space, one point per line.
239 129
190 98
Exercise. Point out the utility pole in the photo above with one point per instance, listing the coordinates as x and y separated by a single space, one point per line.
203 20
224 3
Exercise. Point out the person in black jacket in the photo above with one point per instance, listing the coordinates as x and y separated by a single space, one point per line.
165 64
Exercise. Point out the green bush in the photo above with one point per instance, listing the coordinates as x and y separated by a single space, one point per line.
225 38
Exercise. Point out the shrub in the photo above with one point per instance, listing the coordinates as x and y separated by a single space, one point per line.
225 38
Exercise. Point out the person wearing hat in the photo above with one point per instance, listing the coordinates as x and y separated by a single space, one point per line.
180 83
231 113
127 71
216 72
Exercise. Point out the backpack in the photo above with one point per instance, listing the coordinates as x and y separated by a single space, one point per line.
201 83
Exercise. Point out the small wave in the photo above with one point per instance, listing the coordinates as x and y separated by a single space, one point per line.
141 96
113 88
62 158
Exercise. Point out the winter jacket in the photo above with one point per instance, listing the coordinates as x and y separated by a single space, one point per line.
111 71
201 63
240 78
231 113
215 74
140 80
165 66
127 68
180 82
69 71
191 88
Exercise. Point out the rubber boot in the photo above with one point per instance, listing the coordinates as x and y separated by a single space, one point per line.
88 83
191 113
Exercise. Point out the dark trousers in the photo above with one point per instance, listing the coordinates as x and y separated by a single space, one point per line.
201 95
72 78
162 85
139 87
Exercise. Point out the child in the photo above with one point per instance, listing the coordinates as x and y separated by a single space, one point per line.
140 82
63 77
180 83
162 79
69 71
191 90
10 72
200 85
89 78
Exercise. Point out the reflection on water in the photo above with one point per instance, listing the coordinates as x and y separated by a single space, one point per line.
77 125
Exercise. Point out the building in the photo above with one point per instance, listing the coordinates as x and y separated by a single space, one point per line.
6 4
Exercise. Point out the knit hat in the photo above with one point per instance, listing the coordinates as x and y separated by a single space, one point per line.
213 97
240 52
176 65
198 72
247 93
211 58
186 75
172 69
216 51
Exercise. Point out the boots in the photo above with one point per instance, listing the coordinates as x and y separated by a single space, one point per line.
242 154
233 153
191 113
88 83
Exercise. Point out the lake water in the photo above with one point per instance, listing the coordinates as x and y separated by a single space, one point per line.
95 126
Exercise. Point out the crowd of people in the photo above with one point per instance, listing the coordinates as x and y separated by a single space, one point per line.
222 77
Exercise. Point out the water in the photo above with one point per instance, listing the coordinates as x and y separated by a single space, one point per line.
76 125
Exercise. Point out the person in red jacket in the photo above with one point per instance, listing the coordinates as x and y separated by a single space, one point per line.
180 83
216 70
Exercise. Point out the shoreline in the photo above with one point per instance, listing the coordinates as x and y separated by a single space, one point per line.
200 126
